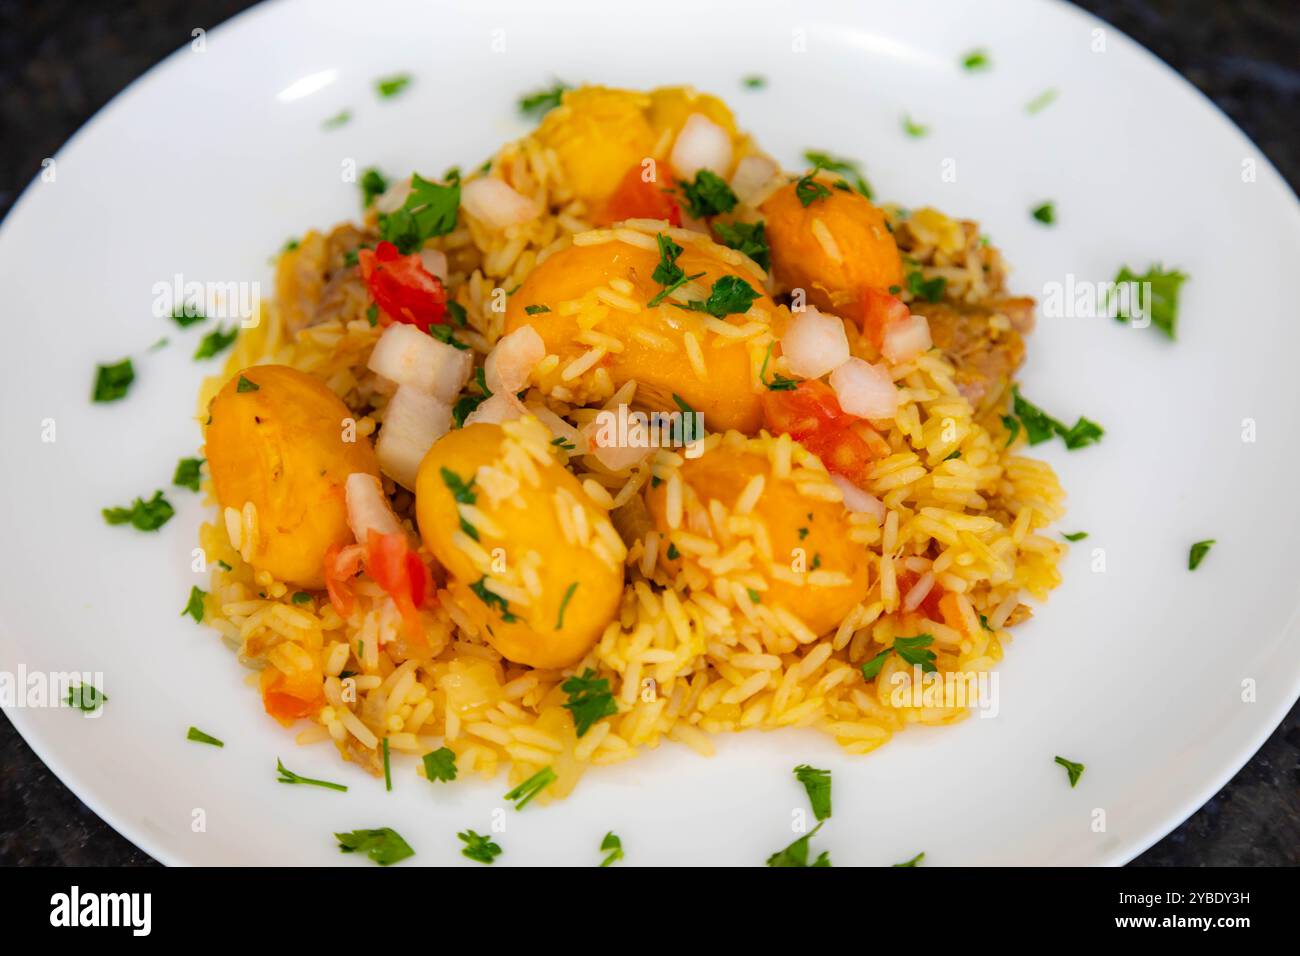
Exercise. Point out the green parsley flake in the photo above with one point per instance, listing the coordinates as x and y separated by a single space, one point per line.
914 861
1199 550
445 335
143 515
478 848
590 700
914 650
668 273
247 385
216 342
390 86
112 382
86 697
288 776
796 854
613 846
1046 213
1164 288
1075 536
1040 427
564 603
747 238
384 846
818 784
430 210
914 129
1074 770
492 599
833 164
931 290
187 474
341 118
779 383
708 196
809 190
537 309
200 737
531 787
754 82
976 61
730 295
372 315
373 184
540 102
458 313
1040 102
440 764
388 769
188 314
194 607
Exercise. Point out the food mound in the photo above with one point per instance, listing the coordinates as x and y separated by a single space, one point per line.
629 434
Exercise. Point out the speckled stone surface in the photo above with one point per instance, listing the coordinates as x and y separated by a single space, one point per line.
61 61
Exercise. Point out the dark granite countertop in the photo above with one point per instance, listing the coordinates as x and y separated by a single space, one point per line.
60 61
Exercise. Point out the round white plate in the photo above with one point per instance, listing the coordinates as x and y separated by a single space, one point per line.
1162 681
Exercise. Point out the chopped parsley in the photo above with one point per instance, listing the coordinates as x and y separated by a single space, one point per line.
389 86
373 183
754 82
796 854
1040 102
754 596
372 314
478 848
673 553
709 195
1075 536
458 314
779 383
143 515
914 129
1040 427
834 164
464 494
809 190
445 335
1199 550
931 290
531 787
914 650
384 846
188 314
1164 296
288 776
194 607
730 295
1012 425
430 210
952 456
668 273
341 118
224 565
540 102
113 381
818 784
216 342
200 737
590 700
491 599
562 442
1046 213
187 474
388 769
537 309
161 343
301 597
86 697
747 238
613 846
914 861
976 60
1075 770
564 603
440 764
247 385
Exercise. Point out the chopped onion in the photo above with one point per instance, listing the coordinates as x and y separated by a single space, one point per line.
753 177
495 204
857 500
501 407
435 261
368 507
413 421
407 356
814 344
906 339
865 390
613 457
512 360
702 144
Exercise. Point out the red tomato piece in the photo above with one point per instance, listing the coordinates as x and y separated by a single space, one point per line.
811 415
402 287
341 566
400 572
879 310
637 199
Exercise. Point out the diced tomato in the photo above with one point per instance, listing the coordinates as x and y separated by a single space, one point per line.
879 309
931 605
400 572
341 566
402 287
288 699
811 415
637 199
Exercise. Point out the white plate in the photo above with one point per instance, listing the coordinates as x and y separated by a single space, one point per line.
208 163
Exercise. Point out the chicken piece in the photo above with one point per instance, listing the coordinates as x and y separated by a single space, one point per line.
985 342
